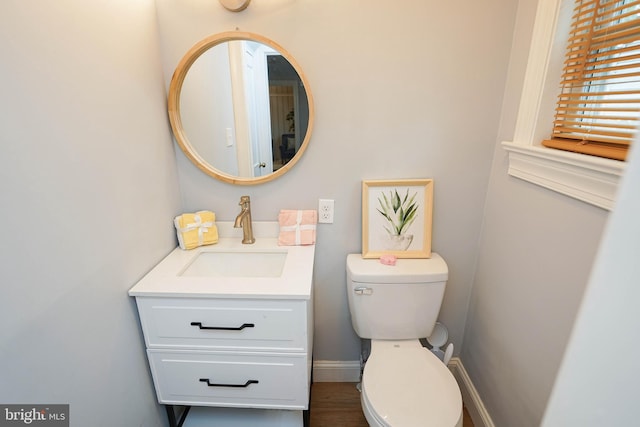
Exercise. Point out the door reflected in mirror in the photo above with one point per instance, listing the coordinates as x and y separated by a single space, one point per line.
240 108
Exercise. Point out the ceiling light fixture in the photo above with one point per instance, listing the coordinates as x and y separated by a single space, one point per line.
235 5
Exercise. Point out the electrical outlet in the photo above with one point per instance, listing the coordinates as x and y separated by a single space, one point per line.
325 211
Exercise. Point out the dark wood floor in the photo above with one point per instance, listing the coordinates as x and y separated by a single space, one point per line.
338 405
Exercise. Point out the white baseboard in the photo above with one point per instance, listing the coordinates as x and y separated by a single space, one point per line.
336 371
470 396
348 371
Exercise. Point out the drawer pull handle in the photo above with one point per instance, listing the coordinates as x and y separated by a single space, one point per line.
210 384
223 328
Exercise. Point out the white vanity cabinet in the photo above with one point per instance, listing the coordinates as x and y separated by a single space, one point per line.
237 336
253 353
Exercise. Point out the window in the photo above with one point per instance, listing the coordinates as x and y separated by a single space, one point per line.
585 177
598 108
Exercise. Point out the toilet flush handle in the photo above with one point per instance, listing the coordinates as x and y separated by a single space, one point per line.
363 290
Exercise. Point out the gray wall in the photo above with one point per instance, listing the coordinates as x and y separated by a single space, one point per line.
597 384
90 184
89 188
534 261
400 92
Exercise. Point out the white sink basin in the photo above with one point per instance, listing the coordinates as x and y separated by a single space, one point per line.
230 269
236 264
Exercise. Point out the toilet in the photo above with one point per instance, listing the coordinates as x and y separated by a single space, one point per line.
403 383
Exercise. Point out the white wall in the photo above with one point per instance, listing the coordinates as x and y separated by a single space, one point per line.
206 107
400 92
598 380
535 257
89 187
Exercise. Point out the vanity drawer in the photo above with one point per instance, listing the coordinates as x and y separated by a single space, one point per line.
229 324
250 380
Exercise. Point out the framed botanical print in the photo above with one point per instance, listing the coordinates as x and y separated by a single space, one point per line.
397 218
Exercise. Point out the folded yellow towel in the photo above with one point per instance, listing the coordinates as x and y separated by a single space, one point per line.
196 229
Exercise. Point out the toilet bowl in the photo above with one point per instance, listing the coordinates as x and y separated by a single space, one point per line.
405 385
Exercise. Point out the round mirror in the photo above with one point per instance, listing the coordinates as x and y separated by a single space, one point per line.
240 108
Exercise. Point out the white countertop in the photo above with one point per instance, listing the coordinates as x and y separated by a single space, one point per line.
295 282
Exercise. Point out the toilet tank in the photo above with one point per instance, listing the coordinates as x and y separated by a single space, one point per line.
395 302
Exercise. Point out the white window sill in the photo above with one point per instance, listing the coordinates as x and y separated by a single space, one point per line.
591 179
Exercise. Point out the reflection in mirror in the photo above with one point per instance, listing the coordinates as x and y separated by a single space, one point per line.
240 108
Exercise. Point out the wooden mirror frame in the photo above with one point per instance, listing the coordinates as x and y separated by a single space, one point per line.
174 106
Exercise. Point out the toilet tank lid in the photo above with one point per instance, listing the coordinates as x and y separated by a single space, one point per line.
371 270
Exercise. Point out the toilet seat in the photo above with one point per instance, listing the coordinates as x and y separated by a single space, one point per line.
405 385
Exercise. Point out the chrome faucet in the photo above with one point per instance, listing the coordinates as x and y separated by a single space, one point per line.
244 220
